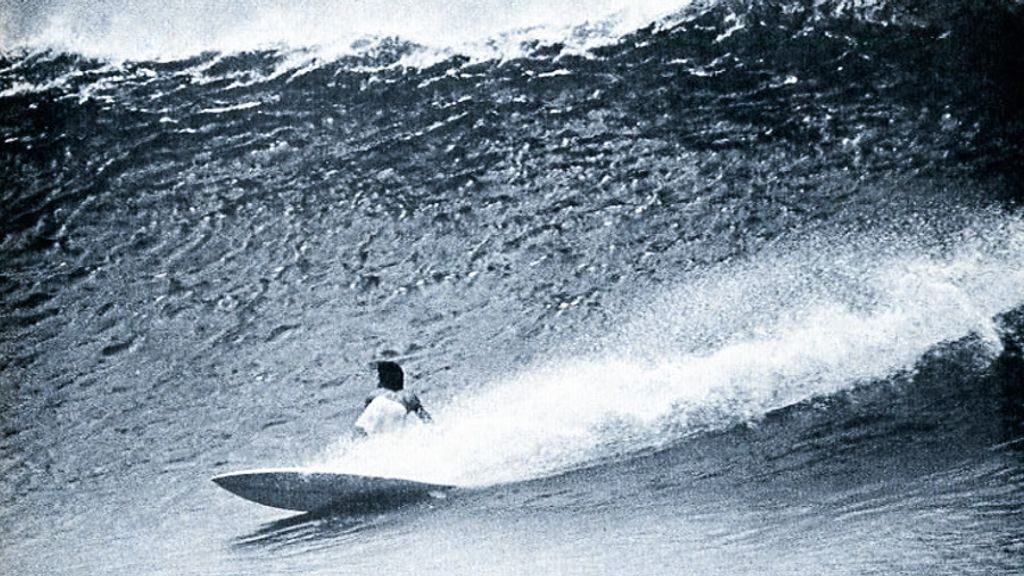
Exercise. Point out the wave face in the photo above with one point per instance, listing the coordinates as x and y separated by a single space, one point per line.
712 278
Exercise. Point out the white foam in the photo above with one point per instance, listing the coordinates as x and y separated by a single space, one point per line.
727 346
168 29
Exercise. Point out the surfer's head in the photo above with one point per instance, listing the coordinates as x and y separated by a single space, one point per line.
391 375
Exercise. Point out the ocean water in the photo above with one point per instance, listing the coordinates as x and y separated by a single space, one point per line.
710 287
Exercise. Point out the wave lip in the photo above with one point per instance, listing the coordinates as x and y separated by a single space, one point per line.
162 31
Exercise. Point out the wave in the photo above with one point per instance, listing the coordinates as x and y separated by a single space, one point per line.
694 111
723 348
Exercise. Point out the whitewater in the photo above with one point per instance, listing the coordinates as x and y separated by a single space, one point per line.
862 315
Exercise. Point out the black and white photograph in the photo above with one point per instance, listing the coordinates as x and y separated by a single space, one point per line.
512 287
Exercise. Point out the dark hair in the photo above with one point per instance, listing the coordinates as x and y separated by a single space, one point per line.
391 375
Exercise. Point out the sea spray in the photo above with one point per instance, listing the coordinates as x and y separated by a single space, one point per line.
867 313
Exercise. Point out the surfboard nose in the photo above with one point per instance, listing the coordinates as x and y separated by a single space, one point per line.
270 489
232 482
247 482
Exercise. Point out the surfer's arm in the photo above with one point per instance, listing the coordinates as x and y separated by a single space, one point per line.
413 404
423 414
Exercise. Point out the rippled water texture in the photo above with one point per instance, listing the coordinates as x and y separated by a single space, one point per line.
725 287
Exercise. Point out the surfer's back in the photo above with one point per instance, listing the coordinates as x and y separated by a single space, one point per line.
406 398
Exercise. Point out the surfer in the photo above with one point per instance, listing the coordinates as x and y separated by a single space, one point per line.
389 405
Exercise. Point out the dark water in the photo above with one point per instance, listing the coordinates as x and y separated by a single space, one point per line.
737 292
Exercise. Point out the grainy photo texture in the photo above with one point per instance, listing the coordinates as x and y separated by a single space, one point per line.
482 287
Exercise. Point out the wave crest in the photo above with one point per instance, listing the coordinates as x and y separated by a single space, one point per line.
157 30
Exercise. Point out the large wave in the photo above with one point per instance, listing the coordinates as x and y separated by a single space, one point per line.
725 347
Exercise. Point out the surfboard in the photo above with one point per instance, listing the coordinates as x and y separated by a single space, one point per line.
311 491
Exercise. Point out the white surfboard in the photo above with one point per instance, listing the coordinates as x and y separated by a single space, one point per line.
310 490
